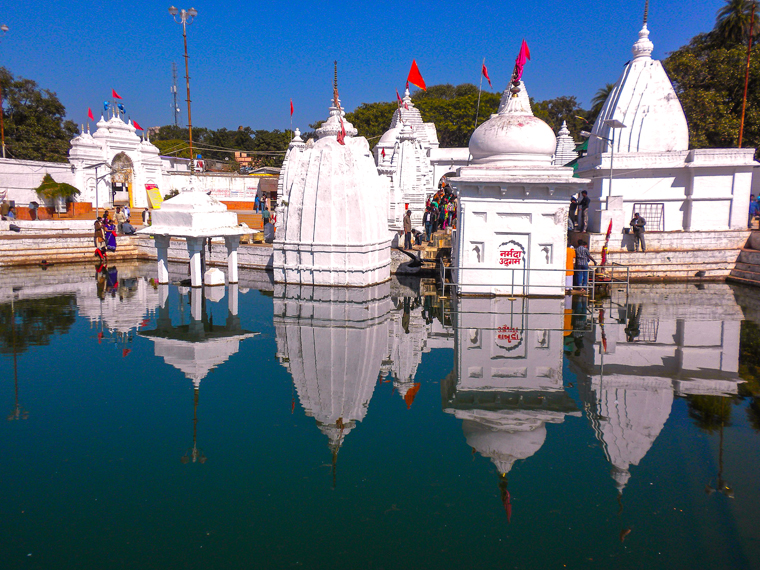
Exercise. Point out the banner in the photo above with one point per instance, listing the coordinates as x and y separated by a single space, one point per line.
154 196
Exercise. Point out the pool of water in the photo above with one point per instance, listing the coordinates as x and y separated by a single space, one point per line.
262 426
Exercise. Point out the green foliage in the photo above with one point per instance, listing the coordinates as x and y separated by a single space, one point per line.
555 111
710 412
35 321
709 82
35 128
49 189
173 147
599 99
446 91
372 119
455 118
732 23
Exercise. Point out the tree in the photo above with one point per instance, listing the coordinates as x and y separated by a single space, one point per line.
51 190
35 321
35 128
709 82
732 23
564 108
599 99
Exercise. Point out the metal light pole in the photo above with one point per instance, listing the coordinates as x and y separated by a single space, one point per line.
3 29
186 17
612 124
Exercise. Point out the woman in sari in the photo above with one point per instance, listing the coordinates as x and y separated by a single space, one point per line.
109 227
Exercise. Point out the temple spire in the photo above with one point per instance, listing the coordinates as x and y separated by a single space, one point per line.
336 100
646 12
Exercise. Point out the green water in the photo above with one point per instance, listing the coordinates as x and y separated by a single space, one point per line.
99 468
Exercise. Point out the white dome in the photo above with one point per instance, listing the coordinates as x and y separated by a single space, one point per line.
513 135
389 137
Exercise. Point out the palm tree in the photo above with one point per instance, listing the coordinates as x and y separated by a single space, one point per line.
598 101
732 22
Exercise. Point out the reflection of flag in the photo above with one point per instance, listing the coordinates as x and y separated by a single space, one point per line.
114 94
522 57
415 77
137 125
100 337
485 74
125 352
89 114
409 396
291 107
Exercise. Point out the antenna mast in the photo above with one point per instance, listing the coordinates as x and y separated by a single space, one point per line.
175 107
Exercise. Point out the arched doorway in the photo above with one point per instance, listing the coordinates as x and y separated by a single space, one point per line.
121 180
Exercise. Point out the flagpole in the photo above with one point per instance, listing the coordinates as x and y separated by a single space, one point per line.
477 112
746 73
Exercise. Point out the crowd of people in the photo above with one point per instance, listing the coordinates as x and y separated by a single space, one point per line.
440 214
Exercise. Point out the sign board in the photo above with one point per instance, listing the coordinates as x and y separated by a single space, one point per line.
154 196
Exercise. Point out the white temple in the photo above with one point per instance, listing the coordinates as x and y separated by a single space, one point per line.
511 237
565 149
114 145
654 172
332 224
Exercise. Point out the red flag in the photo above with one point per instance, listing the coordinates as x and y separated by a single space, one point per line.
89 114
415 77
291 107
522 57
383 153
114 94
137 125
400 101
485 74
342 133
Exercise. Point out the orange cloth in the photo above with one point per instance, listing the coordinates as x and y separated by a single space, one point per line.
570 263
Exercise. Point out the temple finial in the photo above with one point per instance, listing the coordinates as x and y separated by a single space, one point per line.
336 101
646 11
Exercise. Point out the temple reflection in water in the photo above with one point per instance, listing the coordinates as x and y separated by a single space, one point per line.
332 341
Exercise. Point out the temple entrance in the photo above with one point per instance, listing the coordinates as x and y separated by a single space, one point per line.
121 180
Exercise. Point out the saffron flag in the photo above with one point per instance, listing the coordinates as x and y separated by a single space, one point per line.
291 107
485 74
522 57
137 125
114 94
415 77
342 133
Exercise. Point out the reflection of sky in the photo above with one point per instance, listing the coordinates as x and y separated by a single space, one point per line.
96 471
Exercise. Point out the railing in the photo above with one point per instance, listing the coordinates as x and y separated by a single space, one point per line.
653 213
592 281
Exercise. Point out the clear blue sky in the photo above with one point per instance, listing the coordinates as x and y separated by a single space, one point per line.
247 59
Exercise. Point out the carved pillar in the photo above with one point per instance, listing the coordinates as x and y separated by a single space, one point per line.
162 254
232 243
194 247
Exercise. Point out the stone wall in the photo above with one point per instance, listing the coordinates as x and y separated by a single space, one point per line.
19 178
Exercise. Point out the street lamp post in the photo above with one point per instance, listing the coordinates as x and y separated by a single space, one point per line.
3 29
612 124
186 17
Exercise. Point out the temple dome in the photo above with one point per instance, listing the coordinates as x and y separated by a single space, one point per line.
644 100
514 134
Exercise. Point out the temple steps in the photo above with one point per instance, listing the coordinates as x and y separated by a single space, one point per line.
62 249
747 268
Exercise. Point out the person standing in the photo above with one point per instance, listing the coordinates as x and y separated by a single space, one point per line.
573 212
120 218
408 230
256 204
583 218
427 224
637 225
582 257
754 209
126 211
265 215
146 217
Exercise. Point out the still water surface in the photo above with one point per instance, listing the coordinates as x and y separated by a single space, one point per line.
272 427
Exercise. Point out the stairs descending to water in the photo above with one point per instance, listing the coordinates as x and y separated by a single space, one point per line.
747 269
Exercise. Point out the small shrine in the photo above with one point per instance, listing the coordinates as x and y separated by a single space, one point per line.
196 217
512 232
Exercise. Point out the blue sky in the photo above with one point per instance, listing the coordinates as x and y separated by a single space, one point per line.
248 59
